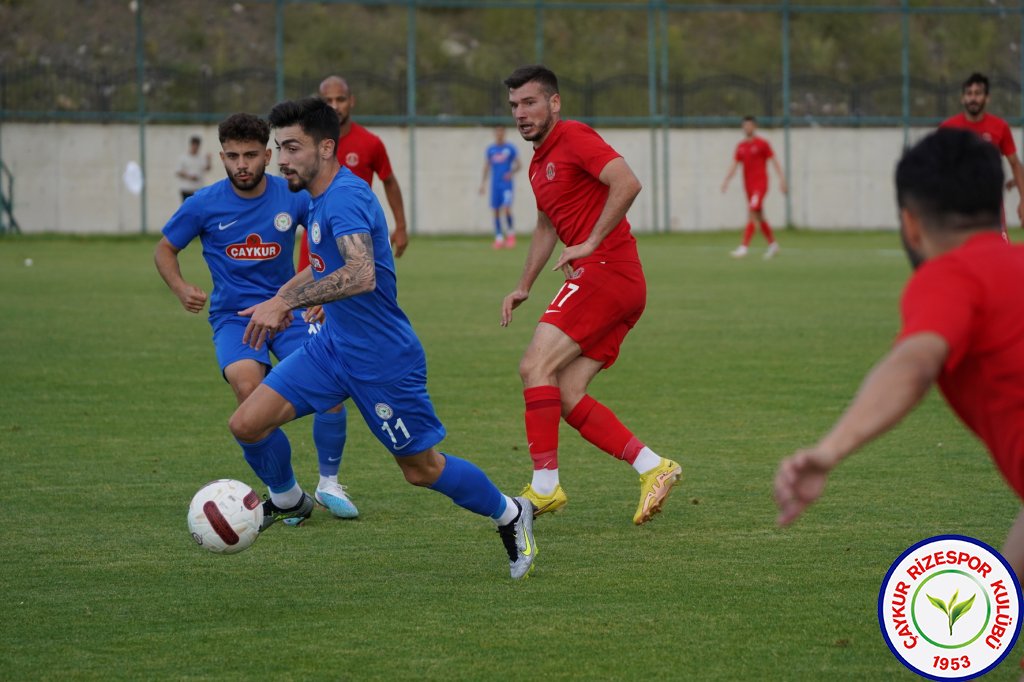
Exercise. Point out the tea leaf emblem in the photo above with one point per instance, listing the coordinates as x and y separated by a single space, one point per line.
953 611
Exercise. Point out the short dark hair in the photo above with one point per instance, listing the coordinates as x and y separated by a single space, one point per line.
534 73
195 139
244 128
973 79
953 179
750 118
316 118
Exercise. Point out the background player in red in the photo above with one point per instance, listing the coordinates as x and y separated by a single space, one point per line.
583 189
963 324
364 154
974 98
754 153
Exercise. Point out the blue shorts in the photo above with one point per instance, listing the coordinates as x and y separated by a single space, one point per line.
227 340
501 196
399 413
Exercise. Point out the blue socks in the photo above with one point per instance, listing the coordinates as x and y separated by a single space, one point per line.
468 486
271 459
329 430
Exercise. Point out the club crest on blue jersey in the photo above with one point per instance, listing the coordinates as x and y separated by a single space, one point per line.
314 232
254 248
316 262
282 222
383 410
549 172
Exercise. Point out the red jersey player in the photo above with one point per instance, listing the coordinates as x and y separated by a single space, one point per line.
583 189
364 154
974 98
963 324
754 153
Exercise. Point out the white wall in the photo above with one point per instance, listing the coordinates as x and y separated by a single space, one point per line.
67 177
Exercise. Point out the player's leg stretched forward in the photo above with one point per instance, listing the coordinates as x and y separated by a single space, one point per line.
556 377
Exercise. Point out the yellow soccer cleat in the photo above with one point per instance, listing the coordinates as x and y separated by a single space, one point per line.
655 486
543 504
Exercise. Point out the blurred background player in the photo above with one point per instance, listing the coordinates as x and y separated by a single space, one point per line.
364 154
583 189
962 325
754 153
366 351
501 164
192 168
246 223
974 98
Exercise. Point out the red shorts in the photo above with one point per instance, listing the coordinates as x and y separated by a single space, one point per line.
598 305
755 197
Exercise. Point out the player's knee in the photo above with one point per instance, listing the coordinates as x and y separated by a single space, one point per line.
243 429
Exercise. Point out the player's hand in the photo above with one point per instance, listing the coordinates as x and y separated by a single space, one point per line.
1020 212
192 298
725 185
511 302
1011 183
782 185
399 240
799 481
314 313
572 253
265 320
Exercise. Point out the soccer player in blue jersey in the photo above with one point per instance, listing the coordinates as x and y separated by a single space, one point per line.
501 164
366 351
246 223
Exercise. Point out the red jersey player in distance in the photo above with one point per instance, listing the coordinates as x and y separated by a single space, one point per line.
974 98
962 324
754 153
583 189
364 154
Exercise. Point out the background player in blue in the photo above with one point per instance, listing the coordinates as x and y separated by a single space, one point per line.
246 223
366 351
501 165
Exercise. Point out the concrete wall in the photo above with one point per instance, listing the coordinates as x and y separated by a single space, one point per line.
68 177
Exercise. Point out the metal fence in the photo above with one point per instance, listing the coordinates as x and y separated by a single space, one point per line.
641 63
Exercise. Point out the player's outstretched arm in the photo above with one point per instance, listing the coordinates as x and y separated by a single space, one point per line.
165 256
358 276
890 390
541 245
623 187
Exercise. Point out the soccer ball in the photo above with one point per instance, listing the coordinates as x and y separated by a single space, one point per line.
225 516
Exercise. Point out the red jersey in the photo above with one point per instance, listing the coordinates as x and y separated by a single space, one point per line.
364 154
973 297
564 175
992 128
754 153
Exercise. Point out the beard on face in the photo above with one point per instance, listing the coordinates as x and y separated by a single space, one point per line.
915 257
255 177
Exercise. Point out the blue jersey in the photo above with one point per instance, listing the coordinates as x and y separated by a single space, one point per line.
248 244
375 340
501 157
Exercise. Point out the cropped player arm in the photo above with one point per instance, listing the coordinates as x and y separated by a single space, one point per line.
541 245
514 169
483 178
1018 180
728 176
357 276
623 187
400 237
165 256
782 176
896 384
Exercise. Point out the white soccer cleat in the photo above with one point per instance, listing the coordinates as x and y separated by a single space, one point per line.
333 497
773 249
739 252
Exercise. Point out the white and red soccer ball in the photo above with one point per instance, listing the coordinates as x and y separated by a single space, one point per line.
225 516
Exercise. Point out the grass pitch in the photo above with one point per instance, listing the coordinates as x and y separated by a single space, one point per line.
113 414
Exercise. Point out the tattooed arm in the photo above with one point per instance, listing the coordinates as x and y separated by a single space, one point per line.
358 276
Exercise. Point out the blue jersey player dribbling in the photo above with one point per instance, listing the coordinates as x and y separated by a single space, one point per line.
246 223
366 351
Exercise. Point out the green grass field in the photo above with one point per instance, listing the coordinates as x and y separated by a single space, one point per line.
113 414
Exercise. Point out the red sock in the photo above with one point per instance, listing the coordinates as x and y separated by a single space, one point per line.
543 412
766 229
600 426
748 233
